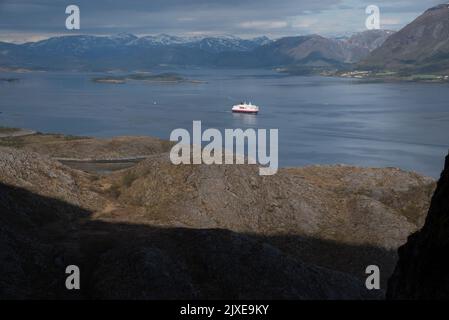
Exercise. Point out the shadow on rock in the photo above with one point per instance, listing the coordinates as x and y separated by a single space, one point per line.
40 236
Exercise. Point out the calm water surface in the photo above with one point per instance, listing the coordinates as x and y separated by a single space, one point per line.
320 120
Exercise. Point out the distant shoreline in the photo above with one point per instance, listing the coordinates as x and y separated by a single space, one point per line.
146 77
388 76
173 78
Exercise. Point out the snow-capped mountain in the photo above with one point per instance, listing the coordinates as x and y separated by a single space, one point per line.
161 40
79 44
123 38
122 50
127 51
209 44
229 43
86 42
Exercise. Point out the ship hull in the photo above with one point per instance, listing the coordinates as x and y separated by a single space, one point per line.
245 111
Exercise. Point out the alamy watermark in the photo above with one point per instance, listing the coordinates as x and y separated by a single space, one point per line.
372 282
190 151
72 282
372 22
73 21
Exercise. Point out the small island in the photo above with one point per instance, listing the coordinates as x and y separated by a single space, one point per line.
9 79
159 78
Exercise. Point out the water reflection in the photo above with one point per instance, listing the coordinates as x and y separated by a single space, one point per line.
249 120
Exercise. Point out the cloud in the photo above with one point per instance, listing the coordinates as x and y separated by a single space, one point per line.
263 25
181 17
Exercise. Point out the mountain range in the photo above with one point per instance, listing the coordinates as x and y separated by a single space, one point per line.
129 52
420 47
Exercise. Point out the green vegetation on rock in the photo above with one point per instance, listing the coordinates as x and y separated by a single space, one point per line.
163 77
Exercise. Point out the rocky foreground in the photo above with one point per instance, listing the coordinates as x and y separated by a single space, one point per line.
422 270
155 230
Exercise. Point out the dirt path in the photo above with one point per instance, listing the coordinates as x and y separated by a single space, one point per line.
100 166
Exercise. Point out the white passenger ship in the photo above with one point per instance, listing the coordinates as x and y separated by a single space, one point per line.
244 107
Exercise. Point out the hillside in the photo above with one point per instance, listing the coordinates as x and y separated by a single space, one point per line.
420 47
196 231
369 39
311 51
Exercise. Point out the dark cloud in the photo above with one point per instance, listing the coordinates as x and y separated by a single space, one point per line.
240 17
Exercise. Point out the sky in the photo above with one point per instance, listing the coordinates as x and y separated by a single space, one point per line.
31 20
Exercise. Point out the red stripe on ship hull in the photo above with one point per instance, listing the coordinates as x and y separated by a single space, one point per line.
243 111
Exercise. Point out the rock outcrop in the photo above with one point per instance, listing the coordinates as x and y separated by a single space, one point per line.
157 230
47 222
86 148
41 175
351 205
422 271
180 263
312 212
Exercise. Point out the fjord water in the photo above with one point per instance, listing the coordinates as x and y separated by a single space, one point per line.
320 120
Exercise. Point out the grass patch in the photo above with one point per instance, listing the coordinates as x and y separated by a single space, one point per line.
8 130
114 191
12 142
129 178
167 145
71 137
